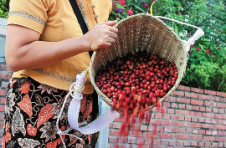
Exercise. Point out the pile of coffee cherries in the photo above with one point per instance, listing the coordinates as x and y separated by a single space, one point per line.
136 82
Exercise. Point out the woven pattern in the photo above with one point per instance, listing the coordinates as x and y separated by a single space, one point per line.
142 32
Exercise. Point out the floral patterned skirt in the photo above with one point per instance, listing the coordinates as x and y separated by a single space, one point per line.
31 112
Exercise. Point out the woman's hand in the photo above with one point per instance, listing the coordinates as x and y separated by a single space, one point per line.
102 35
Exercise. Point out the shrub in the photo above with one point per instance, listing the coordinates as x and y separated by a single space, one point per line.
206 66
4 8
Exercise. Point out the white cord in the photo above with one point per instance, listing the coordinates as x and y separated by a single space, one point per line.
59 131
161 17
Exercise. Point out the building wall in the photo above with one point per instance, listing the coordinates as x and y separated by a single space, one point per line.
5 76
193 118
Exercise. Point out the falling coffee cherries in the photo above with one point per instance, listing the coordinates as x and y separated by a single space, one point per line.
134 83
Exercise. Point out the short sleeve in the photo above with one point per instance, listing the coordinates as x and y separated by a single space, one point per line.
28 13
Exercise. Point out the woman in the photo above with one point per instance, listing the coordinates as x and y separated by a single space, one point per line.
46 48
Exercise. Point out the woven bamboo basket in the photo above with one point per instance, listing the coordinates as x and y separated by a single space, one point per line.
142 32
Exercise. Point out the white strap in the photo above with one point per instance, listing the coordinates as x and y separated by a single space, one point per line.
93 127
74 108
191 41
199 33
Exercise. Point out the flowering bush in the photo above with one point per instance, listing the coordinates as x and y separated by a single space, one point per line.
206 66
3 8
124 8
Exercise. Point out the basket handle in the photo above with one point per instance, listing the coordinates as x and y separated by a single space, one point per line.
199 33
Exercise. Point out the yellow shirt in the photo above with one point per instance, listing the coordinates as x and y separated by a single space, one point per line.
55 21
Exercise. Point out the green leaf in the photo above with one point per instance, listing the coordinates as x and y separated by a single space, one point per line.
138 7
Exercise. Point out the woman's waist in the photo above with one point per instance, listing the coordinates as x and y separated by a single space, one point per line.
56 81
61 75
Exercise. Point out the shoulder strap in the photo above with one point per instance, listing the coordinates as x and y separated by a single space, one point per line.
80 18
78 14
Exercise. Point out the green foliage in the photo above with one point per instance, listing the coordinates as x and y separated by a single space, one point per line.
135 5
4 8
204 70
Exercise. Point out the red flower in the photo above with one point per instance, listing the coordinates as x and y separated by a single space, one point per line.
130 12
198 48
44 114
207 51
192 46
218 43
122 3
179 13
113 3
51 144
123 10
26 105
153 0
219 48
32 131
189 52
146 5
25 88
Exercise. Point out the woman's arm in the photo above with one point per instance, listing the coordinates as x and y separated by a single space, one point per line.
25 51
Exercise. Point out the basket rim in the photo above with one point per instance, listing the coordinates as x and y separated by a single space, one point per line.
157 19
